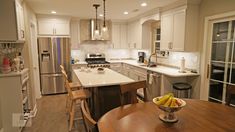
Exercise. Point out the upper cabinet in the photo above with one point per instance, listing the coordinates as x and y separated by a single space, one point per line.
48 26
119 35
12 21
134 34
179 29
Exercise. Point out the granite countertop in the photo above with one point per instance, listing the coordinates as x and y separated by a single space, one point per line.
168 71
94 79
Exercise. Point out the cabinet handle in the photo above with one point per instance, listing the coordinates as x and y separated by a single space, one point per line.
208 71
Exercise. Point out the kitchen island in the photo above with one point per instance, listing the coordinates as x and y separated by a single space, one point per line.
104 87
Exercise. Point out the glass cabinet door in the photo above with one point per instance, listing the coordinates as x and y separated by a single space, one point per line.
222 60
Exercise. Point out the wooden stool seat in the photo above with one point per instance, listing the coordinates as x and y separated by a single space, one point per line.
75 85
80 94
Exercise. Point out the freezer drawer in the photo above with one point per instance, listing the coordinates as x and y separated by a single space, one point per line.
52 84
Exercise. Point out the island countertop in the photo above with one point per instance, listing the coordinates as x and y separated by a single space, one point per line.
94 79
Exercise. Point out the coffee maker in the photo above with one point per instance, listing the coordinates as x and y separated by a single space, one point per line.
141 57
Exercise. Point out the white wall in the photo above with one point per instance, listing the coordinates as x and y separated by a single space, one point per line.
29 16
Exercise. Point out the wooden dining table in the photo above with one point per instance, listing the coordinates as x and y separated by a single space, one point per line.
196 116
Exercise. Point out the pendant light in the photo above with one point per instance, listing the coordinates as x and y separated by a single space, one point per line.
97 33
104 25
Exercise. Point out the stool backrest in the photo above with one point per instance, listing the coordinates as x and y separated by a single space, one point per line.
90 123
129 92
229 92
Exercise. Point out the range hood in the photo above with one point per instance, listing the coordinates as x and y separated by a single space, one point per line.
87 29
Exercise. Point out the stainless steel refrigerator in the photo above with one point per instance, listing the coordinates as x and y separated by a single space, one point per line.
53 52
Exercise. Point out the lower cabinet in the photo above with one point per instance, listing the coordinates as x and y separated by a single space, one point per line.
15 100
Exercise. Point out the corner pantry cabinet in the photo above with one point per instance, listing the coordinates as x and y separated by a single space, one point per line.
14 100
12 21
53 26
179 29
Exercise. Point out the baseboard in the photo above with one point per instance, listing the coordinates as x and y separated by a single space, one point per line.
33 112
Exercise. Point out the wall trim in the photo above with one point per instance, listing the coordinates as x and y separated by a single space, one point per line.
204 89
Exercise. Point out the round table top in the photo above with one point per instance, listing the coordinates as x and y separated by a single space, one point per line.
197 115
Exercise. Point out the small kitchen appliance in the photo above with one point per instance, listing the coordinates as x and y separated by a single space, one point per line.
141 56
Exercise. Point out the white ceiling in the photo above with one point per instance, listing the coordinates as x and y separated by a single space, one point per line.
84 8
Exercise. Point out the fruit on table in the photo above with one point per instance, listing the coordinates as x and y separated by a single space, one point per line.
168 100
163 99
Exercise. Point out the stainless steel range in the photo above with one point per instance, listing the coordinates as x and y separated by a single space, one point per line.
97 60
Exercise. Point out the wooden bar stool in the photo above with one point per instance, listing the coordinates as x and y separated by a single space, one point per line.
180 87
229 92
129 92
89 123
75 97
73 85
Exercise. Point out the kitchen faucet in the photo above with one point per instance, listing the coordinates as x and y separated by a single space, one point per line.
149 60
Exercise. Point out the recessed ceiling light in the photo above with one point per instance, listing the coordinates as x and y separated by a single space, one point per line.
125 12
53 12
101 15
144 4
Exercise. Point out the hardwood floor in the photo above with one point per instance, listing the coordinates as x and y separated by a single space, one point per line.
51 116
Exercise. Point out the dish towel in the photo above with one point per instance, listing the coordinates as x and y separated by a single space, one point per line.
150 78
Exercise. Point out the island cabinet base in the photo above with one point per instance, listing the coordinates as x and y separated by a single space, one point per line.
103 100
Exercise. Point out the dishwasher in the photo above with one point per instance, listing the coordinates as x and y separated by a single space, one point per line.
153 85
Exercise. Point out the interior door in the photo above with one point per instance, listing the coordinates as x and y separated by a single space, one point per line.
222 59
34 51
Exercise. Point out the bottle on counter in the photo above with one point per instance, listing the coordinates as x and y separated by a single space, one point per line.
21 61
182 65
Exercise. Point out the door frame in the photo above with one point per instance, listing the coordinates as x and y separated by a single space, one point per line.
34 40
207 38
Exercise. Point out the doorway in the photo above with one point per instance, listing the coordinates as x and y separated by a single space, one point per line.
221 58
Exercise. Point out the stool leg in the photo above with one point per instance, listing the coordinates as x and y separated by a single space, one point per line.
72 114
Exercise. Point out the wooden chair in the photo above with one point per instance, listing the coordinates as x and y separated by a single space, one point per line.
129 91
74 98
89 122
229 92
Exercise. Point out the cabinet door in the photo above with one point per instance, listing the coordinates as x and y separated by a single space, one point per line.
116 35
137 38
123 36
45 28
61 28
75 36
166 31
20 21
179 31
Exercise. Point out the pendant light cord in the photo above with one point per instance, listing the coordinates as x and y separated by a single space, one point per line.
96 7
104 14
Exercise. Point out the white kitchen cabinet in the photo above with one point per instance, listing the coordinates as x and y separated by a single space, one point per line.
116 67
139 35
134 35
12 21
119 35
75 34
15 100
179 28
53 26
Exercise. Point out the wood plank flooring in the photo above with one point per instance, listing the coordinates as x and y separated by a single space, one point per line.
51 116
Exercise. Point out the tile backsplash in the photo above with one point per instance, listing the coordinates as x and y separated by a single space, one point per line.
191 58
